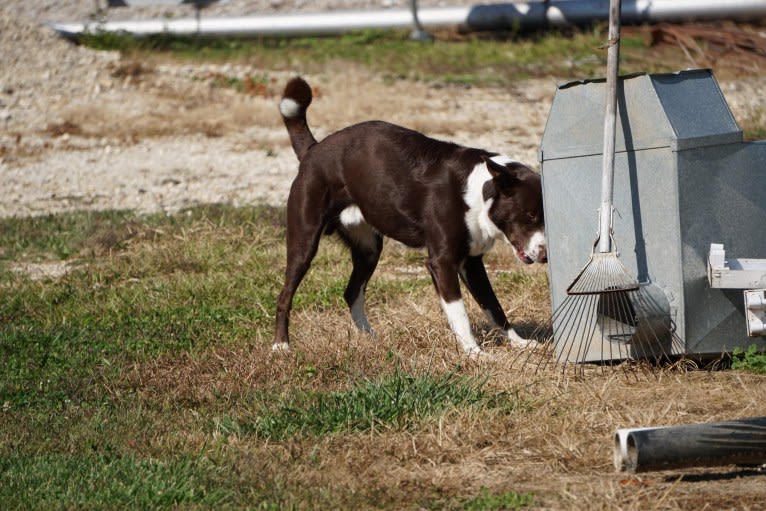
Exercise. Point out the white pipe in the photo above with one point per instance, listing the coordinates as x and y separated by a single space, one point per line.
498 16
294 24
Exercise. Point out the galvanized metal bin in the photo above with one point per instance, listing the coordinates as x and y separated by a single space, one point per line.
683 179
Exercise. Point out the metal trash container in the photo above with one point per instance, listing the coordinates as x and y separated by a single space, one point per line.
683 178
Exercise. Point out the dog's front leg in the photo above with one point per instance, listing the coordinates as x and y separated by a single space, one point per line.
458 322
474 275
445 277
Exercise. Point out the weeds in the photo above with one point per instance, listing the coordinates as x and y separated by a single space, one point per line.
487 501
143 378
399 401
753 359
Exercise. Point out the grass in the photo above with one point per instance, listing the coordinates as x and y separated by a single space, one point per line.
753 359
58 237
487 501
102 482
398 400
143 378
467 59
89 420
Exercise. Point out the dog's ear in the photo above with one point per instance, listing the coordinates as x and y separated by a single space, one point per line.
504 177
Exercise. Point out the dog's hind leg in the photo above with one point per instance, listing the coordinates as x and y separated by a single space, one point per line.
474 276
304 230
364 265
366 246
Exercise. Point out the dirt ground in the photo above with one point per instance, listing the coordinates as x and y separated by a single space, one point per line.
81 129
87 130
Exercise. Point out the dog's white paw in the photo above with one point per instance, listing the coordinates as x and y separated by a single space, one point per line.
518 341
280 347
476 353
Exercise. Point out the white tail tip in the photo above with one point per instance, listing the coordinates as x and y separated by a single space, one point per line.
289 108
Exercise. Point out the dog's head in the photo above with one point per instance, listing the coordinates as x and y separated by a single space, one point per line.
517 208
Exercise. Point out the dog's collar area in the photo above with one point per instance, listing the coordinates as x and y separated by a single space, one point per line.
479 195
489 191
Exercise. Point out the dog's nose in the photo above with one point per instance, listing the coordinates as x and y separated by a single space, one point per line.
542 255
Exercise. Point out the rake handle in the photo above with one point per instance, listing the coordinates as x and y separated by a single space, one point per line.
610 120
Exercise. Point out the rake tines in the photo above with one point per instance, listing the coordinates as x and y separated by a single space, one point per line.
629 330
604 273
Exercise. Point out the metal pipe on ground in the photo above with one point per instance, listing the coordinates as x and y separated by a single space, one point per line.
482 17
736 442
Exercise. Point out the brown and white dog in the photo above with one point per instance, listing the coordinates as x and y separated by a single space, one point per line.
376 179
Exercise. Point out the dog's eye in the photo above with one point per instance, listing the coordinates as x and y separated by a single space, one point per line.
532 216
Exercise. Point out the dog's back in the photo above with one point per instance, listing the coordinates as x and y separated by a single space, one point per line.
412 149
399 171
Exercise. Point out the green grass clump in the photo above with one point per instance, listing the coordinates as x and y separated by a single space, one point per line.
398 401
753 359
140 287
57 236
488 501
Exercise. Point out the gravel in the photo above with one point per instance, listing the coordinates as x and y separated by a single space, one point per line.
84 129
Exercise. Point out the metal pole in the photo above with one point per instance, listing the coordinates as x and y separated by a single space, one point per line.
418 33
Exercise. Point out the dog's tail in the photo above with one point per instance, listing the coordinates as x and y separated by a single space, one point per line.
295 101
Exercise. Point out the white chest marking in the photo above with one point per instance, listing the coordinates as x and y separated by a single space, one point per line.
483 232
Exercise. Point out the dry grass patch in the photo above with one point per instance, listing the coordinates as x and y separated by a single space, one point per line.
554 442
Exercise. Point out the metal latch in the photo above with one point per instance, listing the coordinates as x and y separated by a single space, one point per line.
755 312
746 274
